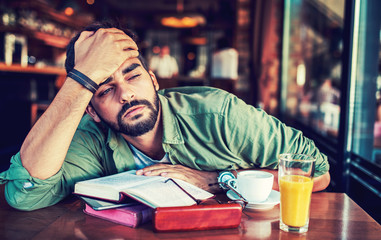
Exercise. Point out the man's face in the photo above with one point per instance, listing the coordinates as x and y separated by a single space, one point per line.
127 101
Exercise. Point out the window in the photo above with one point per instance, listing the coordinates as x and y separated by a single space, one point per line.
365 95
311 68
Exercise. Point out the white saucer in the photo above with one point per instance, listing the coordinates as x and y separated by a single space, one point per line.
271 201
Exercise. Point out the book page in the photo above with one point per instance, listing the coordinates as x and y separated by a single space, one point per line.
109 187
121 180
97 204
151 190
196 192
166 194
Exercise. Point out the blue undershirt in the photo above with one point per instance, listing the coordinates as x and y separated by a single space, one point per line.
142 160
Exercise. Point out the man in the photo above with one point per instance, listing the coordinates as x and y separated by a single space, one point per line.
225 61
164 65
184 133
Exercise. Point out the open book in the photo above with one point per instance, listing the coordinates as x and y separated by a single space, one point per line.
153 191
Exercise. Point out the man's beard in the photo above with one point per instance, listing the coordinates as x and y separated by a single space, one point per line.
140 128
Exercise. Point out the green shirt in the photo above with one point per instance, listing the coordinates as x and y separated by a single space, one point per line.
204 128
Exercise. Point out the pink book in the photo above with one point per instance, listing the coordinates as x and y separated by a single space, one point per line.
130 216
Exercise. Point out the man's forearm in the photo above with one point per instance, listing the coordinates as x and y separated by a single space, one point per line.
321 182
97 56
46 145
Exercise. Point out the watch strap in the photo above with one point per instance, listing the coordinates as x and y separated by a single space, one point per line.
83 80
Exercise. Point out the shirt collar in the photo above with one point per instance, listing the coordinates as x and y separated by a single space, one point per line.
112 139
171 130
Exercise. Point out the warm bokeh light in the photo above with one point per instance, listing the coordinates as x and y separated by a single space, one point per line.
196 40
69 11
90 2
191 56
183 22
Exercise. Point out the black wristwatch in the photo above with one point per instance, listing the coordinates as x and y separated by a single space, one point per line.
223 177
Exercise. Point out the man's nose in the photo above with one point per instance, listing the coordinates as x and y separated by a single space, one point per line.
126 94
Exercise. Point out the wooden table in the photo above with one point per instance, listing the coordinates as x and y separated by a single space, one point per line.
333 216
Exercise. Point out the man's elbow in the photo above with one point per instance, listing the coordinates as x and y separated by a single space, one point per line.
17 202
25 205
321 182
26 201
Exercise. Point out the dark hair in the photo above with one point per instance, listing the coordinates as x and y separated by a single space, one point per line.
70 54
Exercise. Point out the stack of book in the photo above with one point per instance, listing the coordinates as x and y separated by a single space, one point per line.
128 199
130 215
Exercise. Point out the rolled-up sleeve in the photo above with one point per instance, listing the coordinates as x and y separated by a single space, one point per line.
25 192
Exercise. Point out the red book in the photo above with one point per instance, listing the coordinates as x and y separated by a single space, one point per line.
130 216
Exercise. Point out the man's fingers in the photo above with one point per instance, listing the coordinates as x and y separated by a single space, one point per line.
120 36
148 169
84 35
158 169
99 54
156 166
176 172
127 41
113 35
176 175
131 53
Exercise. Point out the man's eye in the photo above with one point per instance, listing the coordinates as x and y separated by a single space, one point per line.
134 76
105 92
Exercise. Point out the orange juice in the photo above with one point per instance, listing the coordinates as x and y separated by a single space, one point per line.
295 198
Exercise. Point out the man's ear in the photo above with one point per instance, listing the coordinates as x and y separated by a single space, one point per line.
154 80
90 110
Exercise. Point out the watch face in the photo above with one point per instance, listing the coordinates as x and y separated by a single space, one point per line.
225 176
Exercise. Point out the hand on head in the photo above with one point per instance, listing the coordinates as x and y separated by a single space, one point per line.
99 54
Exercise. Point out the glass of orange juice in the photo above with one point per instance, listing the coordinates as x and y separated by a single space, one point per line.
295 183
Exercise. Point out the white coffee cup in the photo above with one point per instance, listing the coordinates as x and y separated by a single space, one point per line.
254 186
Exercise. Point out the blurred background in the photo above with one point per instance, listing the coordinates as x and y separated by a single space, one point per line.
314 64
